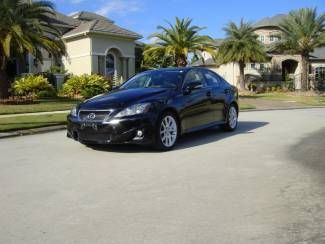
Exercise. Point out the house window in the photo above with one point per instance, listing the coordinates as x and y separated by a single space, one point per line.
320 74
253 66
271 38
262 66
101 65
110 64
262 39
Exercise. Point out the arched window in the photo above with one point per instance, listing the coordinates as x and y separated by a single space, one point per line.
110 64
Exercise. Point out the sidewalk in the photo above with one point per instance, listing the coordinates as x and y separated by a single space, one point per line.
29 114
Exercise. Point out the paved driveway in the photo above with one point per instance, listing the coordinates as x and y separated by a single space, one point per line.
264 183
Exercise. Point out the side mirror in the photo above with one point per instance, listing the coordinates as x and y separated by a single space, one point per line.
194 85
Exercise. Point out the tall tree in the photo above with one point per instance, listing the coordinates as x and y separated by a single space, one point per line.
25 27
178 40
156 58
241 46
302 31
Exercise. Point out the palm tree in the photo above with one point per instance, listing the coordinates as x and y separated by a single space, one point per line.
179 40
302 32
25 27
241 46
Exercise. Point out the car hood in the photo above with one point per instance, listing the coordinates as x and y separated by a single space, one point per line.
121 98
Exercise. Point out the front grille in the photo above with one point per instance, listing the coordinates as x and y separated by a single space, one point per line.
94 115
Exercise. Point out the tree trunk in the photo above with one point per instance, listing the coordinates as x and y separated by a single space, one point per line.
304 72
241 80
181 61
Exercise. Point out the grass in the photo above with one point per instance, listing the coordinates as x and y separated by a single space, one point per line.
276 96
244 106
45 105
31 121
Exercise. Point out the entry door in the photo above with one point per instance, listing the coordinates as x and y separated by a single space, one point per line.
197 104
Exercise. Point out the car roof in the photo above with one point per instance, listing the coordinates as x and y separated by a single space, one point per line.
177 69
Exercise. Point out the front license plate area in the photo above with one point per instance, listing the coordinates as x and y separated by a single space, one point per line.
88 125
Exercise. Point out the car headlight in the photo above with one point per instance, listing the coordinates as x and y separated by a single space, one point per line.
73 112
134 109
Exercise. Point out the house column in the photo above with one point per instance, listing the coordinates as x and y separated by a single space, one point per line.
131 67
125 68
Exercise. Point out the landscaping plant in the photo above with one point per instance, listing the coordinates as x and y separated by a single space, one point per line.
302 31
177 40
26 27
241 46
85 86
33 86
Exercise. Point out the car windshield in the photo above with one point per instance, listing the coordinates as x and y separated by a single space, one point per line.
155 78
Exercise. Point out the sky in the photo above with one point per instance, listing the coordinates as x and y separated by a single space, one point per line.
143 16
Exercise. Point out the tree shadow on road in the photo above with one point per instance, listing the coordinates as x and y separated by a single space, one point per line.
309 152
189 140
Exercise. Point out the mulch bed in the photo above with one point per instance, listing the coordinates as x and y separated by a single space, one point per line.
17 101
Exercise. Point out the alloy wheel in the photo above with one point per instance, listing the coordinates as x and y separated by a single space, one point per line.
168 131
232 117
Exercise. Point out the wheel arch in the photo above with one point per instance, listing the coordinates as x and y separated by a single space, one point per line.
175 112
236 106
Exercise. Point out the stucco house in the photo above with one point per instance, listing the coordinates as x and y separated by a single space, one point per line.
94 43
279 66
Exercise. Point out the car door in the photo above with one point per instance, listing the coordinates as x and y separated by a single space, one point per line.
218 96
197 103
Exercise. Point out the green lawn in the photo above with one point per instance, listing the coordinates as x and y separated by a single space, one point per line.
45 105
244 106
31 121
306 100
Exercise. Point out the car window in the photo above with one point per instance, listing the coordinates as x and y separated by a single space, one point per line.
213 79
156 78
194 76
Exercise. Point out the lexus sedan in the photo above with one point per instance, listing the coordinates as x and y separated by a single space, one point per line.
156 107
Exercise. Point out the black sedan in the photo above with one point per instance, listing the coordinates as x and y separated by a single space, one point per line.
156 107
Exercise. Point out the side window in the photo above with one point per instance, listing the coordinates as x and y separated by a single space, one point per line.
194 76
212 79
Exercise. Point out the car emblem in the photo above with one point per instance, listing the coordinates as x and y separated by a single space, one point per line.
91 116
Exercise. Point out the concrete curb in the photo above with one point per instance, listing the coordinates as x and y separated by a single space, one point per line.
32 131
273 109
63 127
33 114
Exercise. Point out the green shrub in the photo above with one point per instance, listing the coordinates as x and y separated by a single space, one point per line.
57 70
47 94
32 86
85 86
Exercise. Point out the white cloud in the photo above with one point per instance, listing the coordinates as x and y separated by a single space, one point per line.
120 7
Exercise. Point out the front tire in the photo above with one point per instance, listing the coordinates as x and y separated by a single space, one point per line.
167 132
232 118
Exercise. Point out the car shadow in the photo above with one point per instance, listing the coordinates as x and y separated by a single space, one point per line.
188 140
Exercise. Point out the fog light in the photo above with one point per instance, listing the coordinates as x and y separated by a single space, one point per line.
139 133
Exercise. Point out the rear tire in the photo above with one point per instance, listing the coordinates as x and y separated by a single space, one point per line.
232 118
167 132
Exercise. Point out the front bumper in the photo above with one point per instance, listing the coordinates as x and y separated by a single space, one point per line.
116 131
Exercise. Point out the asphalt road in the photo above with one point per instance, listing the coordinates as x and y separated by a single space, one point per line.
264 183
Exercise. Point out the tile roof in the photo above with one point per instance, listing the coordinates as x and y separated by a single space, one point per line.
63 20
273 21
87 22
101 27
84 15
